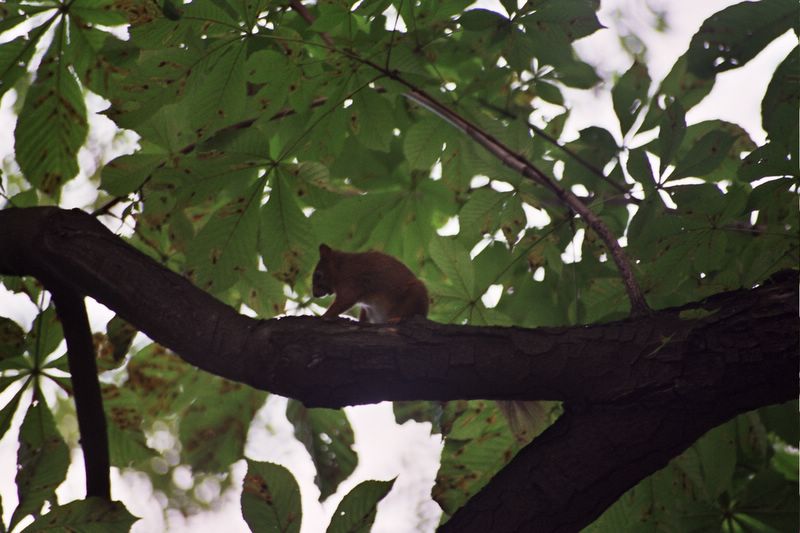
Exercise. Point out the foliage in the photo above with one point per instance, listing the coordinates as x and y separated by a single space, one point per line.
263 132
328 437
356 511
271 498
92 515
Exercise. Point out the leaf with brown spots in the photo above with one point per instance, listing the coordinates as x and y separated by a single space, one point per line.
52 124
271 498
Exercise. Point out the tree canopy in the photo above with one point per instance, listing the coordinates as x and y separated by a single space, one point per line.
639 281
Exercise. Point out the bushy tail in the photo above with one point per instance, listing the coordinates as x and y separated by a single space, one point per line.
526 419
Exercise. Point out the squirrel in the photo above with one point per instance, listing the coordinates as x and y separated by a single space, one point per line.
389 292
386 289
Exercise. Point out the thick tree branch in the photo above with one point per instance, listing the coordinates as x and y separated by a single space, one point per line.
651 384
344 363
85 387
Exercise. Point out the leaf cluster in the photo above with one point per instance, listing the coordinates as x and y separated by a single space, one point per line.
264 131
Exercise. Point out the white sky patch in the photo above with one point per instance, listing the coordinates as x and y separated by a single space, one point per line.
572 253
502 186
492 296
536 218
450 228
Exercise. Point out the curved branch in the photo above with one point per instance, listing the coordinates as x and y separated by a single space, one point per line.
520 164
652 384
336 363
568 151
538 492
71 311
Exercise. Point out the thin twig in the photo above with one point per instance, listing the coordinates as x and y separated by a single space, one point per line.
571 153
520 164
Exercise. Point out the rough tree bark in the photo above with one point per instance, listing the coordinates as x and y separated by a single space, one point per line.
636 392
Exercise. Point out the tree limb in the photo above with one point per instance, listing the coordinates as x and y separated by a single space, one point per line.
71 312
653 384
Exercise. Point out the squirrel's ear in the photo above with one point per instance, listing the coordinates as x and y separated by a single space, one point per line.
324 250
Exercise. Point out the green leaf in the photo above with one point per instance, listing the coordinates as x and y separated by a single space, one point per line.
313 186
351 220
717 453
596 146
52 124
10 408
42 461
732 37
120 334
101 12
679 84
14 55
577 18
577 74
332 17
781 420
12 339
454 262
127 173
271 498
262 293
226 246
92 515
768 503
213 428
14 13
419 411
549 93
629 95
770 159
356 512
671 133
274 74
45 336
704 156
423 142
481 20
487 209
640 168
328 437
286 238
153 84
84 53
372 120
782 98
127 444
479 315
787 463
478 445
553 26
217 93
